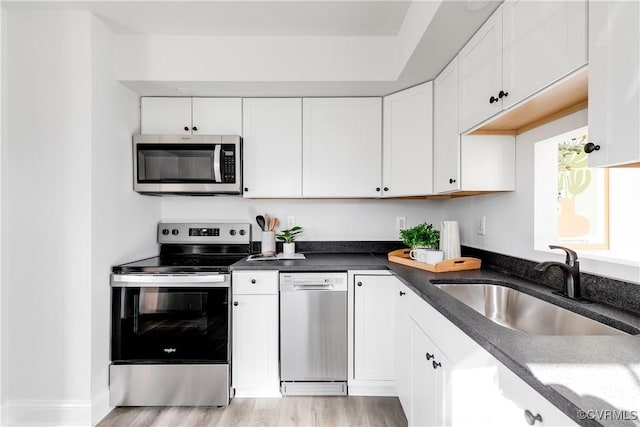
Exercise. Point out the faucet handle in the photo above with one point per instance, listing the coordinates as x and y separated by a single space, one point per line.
571 257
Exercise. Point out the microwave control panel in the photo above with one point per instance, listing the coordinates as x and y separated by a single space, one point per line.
228 163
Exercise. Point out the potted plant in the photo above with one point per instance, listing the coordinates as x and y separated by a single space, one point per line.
287 237
424 241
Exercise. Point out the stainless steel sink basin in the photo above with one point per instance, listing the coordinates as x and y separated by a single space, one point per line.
516 310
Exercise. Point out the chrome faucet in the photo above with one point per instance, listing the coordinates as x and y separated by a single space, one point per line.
571 270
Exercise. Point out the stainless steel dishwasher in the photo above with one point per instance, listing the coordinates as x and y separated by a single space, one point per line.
313 333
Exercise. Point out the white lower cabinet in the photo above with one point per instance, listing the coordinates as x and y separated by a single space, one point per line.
255 357
402 358
452 381
371 330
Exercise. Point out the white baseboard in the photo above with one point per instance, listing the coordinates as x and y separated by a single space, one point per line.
372 390
100 406
59 413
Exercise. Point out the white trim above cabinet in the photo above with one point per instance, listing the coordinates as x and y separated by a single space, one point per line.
272 147
341 147
407 147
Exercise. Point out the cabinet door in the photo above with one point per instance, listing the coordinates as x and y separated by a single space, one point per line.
402 355
481 73
428 372
255 345
373 327
217 116
167 116
341 147
446 137
272 146
542 42
614 81
407 144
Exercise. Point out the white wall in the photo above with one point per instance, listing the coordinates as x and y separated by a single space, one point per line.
47 252
3 74
509 216
322 220
123 222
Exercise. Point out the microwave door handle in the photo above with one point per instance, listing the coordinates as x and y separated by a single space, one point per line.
217 176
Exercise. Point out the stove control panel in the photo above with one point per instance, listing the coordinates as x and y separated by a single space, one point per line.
204 233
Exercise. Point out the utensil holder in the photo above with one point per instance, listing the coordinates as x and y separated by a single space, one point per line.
268 241
450 239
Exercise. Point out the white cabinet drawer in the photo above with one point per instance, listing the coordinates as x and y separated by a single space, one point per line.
255 282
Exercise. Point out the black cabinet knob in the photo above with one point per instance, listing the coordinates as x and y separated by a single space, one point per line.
590 147
502 94
493 99
235 303
186 128
451 180
377 188
195 128
246 189
402 293
359 283
253 281
430 356
436 365
386 188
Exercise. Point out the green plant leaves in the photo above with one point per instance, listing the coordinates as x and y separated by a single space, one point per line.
420 235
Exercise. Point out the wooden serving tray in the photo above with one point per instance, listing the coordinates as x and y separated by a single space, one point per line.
401 256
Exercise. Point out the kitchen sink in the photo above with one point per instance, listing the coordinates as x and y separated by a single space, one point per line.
522 312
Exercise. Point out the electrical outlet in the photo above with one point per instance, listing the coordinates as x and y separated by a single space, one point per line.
401 222
291 221
482 225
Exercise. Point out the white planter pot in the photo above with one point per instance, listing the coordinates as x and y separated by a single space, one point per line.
289 248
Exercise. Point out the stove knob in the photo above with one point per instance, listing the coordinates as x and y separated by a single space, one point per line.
232 232
165 231
175 231
242 232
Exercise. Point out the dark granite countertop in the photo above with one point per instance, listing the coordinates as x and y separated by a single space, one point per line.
575 373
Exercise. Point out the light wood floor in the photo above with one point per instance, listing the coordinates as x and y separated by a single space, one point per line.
286 411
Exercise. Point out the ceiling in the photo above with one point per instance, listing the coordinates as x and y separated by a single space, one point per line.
438 41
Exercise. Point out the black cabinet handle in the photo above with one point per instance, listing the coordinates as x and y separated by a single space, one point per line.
503 94
386 188
436 365
590 147
253 281
402 293
493 99
451 180
359 283
235 303
530 418
186 128
430 356
246 189
377 188
195 128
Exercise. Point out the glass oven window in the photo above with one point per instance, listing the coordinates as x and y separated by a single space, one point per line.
170 324
176 163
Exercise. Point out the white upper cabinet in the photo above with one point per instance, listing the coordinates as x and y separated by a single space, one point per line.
614 82
446 137
407 142
481 74
165 116
272 147
523 47
342 145
543 41
178 116
217 116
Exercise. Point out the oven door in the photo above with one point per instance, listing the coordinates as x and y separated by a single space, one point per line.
170 318
195 164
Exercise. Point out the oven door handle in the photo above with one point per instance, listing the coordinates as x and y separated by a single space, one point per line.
141 280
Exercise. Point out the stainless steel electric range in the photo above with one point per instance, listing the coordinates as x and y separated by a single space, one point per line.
171 319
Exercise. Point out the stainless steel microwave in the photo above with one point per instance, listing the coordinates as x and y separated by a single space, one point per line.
187 164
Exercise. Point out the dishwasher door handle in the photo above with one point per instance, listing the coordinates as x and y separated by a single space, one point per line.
313 287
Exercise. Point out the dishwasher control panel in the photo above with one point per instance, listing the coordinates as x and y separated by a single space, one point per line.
313 281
